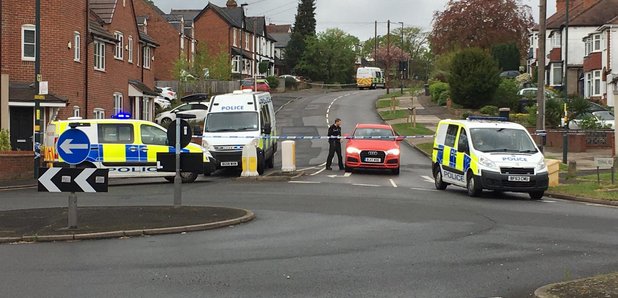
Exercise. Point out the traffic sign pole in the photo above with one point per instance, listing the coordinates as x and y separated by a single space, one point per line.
72 209
177 179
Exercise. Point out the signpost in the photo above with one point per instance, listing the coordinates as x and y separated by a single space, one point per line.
73 146
181 136
604 163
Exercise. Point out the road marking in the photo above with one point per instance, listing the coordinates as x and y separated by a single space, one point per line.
427 179
314 167
600 205
366 185
347 174
318 172
548 201
421 189
304 182
331 105
393 183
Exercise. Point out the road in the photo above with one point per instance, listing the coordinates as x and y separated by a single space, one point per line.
326 235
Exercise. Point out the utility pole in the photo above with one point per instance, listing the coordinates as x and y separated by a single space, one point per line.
388 56
37 80
401 60
242 33
565 136
540 94
375 46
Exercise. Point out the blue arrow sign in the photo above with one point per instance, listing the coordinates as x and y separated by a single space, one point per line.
73 146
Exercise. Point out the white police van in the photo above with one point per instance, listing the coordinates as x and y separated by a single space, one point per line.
488 153
234 120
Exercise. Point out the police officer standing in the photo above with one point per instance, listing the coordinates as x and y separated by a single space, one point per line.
334 142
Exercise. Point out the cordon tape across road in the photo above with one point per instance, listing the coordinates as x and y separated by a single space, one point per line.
321 137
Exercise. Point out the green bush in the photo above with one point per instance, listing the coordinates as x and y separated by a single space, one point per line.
444 97
553 113
5 140
489 110
436 89
506 95
273 82
474 78
521 119
291 83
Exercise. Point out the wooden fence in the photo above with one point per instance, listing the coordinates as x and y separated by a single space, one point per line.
210 87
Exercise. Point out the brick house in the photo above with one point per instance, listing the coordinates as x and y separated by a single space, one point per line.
245 39
585 17
282 35
92 64
601 63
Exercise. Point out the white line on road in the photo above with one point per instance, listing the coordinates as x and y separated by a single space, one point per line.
347 174
422 189
427 179
393 183
318 172
304 182
366 185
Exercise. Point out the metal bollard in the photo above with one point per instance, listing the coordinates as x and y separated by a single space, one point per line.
288 156
249 160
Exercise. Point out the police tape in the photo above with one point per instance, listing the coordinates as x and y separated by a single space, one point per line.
319 137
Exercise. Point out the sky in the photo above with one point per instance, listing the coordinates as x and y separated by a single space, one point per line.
353 16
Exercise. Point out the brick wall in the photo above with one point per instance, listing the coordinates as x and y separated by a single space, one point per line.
16 165
214 31
168 38
593 62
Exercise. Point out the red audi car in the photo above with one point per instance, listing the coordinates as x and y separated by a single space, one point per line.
373 146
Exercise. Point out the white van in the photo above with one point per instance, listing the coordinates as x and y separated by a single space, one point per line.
370 77
234 120
482 153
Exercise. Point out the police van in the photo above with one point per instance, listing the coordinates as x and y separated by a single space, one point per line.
488 153
127 147
234 120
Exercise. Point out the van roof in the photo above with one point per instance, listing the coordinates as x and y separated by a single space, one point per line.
484 123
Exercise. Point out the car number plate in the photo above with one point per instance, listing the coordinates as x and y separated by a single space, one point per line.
373 159
519 178
229 164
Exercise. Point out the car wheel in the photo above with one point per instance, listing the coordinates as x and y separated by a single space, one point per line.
165 122
537 195
185 177
438 181
395 171
473 187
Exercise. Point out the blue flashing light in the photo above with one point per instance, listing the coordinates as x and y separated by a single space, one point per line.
122 115
486 118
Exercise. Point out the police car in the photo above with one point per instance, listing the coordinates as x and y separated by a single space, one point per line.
488 153
127 147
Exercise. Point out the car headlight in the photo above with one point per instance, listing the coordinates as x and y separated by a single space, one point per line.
486 162
541 166
207 146
393 152
352 150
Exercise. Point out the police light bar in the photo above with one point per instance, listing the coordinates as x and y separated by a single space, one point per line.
122 116
486 118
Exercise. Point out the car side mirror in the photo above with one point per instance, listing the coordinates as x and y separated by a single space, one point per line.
347 136
267 129
400 138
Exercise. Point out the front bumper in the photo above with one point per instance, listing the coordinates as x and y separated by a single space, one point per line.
500 182
389 162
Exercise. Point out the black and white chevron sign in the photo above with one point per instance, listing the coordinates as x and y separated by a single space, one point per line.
73 180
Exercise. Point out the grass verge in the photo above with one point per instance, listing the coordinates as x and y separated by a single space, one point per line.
390 115
426 147
588 187
406 129
385 103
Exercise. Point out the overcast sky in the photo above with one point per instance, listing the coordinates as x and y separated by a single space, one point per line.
353 16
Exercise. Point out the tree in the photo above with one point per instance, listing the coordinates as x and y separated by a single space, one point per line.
390 57
480 23
330 57
474 78
507 56
304 27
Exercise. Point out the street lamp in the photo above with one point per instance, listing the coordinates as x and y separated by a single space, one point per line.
401 61
242 33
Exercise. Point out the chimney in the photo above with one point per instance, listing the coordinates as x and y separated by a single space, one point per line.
231 4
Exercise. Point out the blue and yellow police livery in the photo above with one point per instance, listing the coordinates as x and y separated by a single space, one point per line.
128 148
488 154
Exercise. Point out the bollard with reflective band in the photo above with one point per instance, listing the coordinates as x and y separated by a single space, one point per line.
249 160
288 156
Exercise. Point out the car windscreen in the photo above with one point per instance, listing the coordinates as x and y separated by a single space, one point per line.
502 140
373 132
247 83
232 121
604 115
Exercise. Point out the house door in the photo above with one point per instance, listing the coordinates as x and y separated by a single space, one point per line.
22 128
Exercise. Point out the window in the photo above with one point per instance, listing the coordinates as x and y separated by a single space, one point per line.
463 140
99 113
28 42
556 74
119 50
589 84
146 57
75 111
236 64
597 83
587 46
152 135
556 40
115 133
147 105
130 41
99 55
182 42
597 42
77 44
118 103
247 40
451 134
234 37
